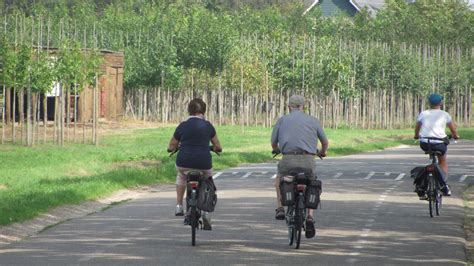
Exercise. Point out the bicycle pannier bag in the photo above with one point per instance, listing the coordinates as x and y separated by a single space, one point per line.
207 197
287 191
312 194
418 174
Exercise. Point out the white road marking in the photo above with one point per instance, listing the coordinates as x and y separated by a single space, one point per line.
386 174
370 175
234 173
254 168
217 175
463 178
337 175
264 173
400 176
246 175
96 254
274 176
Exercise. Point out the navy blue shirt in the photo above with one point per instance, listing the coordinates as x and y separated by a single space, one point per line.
194 136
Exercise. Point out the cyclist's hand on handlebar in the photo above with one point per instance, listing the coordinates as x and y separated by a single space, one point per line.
321 154
276 151
416 136
169 150
215 149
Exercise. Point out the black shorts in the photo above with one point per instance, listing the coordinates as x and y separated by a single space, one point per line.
441 147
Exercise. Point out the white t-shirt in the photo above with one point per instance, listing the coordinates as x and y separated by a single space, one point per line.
433 124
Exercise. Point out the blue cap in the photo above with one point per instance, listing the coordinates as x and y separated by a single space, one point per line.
435 99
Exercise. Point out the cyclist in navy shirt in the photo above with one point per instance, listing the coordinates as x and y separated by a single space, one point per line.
193 137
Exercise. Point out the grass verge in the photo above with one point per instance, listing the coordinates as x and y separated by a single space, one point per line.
468 197
34 180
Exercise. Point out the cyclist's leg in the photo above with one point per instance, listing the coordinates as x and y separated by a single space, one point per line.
283 169
180 184
309 164
180 190
443 163
277 188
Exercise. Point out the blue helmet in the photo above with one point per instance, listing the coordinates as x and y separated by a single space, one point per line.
435 99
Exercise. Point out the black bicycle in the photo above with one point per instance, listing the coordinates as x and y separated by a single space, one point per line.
433 186
296 212
194 220
194 214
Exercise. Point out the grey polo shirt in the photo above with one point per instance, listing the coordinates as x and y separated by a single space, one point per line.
298 131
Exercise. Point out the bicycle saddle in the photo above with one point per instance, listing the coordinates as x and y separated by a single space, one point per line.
194 175
434 152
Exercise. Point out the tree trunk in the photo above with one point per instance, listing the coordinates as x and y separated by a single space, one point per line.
68 112
75 112
14 116
3 114
21 100
56 120
96 112
8 108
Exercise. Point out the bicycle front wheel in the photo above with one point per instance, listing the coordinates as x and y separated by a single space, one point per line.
439 198
291 234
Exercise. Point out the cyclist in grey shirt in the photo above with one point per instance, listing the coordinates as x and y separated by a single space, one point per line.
296 136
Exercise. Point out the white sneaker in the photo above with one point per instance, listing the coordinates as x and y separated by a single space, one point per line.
179 210
206 220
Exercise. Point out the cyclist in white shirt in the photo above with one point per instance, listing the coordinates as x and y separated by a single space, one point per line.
432 123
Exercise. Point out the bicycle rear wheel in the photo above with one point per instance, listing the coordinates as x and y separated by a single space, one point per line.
194 224
431 195
298 227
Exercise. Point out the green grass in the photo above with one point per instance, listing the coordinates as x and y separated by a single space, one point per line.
466 133
33 180
468 197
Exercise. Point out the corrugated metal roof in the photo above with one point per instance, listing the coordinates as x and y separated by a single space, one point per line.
372 5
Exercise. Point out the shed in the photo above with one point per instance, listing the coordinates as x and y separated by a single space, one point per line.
110 93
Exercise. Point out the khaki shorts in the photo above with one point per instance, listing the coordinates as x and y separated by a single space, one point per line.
181 178
304 162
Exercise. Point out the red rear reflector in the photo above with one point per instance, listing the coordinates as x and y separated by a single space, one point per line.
301 187
430 168
194 184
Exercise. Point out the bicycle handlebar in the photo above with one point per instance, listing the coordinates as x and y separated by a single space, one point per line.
276 153
211 148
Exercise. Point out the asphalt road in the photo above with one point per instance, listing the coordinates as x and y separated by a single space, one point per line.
370 216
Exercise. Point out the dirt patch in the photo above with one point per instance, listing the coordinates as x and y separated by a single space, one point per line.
2 186
105 128
468 196
142 164
19 231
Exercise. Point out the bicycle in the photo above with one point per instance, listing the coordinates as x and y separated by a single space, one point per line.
433 187
295 216
195 214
